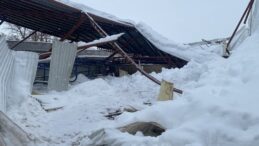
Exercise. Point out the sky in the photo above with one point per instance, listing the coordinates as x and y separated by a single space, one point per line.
178 20
182 21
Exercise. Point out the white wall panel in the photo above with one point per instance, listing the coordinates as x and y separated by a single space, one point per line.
6 69
24 72
61 65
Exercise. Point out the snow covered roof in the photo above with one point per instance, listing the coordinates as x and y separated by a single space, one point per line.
57 19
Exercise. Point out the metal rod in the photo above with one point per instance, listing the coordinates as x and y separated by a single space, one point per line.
17 44
79 49
238 25
248 13
116 46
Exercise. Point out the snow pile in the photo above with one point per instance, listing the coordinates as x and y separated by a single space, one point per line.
106 39
82 111
218 107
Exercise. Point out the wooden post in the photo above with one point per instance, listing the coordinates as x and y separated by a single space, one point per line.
166 91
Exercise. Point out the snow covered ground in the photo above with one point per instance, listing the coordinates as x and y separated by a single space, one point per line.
218 107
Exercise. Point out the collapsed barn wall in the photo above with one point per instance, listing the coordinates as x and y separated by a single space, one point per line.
18 70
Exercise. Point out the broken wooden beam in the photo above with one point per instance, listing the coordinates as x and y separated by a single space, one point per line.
244 16
117 47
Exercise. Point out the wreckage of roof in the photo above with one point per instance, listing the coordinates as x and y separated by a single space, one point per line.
57 19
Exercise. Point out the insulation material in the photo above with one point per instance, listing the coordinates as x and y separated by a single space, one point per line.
61 65
255 17
166 91
6 66
24 73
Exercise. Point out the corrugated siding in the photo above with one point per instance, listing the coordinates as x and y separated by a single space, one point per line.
24 72
17 73
6 66
61 65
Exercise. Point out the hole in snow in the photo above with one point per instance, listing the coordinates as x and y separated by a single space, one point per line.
146 128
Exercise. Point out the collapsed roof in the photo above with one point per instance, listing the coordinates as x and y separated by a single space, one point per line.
57 19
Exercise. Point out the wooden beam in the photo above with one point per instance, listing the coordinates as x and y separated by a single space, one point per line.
17 44
116 46
112 55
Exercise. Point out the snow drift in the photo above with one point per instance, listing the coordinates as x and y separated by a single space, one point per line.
218 107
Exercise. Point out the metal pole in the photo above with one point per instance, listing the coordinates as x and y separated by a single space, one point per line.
17 44
239 23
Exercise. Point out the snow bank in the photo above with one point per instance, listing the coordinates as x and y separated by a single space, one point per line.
219 106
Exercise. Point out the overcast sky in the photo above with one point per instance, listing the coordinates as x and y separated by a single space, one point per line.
179 20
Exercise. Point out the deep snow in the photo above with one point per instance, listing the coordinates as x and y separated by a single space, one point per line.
218 107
